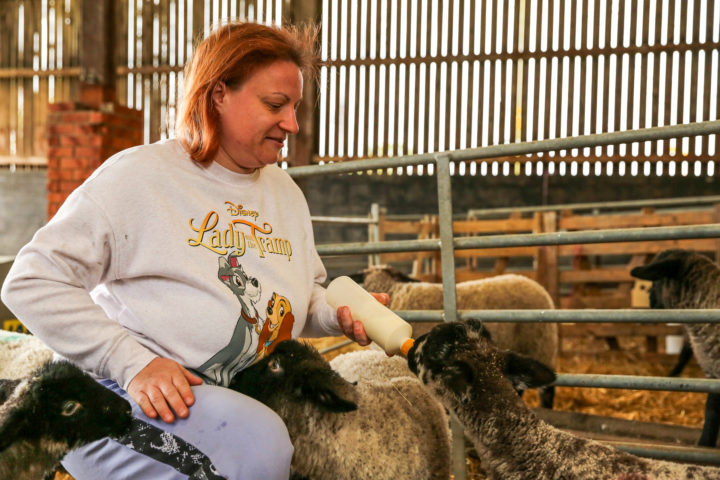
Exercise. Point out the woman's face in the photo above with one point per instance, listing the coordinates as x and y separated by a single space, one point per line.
256 118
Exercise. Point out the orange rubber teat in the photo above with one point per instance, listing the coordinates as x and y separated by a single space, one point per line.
406 346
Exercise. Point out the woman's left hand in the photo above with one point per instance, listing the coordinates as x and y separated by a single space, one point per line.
354 329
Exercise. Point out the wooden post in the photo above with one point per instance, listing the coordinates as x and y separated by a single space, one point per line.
302 147
547 260
97 77
716 219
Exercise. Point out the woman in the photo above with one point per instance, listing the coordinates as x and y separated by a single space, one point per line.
177 264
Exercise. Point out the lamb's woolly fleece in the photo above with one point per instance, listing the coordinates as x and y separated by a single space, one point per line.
21 354
502 292
370 365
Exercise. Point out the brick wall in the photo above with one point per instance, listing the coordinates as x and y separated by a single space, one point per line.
80 138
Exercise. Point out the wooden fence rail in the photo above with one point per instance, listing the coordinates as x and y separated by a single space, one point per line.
576 276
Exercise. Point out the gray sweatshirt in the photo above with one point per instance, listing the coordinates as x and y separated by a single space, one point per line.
157 255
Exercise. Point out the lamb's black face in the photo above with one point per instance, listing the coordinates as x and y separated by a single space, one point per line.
453 357
670 271
294 372
442 351
67 406
76 401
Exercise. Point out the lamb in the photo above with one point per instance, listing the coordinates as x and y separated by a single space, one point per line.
375 429
502 292
21 354
45 415
372 365
474 379
687 279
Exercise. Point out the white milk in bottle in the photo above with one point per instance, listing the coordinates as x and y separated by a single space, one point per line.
388 330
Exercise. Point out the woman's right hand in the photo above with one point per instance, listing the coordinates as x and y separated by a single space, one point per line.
163 387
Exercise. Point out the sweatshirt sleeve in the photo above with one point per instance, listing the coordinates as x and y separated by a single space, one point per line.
322 318
48 289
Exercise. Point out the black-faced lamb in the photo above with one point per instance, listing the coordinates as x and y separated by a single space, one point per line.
687 279
474 379
55 410
502 292
382 429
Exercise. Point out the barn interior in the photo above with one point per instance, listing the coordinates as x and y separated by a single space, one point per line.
458 140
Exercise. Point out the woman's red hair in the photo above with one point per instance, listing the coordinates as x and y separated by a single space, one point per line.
231 54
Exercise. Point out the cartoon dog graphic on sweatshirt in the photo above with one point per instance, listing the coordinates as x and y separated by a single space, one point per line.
243 346
277 327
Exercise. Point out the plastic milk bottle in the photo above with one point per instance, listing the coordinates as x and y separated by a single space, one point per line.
392 333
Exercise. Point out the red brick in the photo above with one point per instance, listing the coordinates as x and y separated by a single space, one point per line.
53 185
62 106
89 152
67 186
77 117
93 129
72 163
60 151
65 129
121 143
74 175
56 197
52 210
53 171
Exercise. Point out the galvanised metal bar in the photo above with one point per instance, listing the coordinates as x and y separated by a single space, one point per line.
374 232
359 220
529 239
571 316
344 343
659 202
379 247
447 253
677 454
634 382
511 149
447 263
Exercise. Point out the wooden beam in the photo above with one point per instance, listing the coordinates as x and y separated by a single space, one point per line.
97 35
302 146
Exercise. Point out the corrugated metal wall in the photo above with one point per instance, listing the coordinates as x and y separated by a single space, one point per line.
405 77
428 76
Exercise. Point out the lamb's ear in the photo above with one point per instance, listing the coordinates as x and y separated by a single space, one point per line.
328 398
399 276
479 328
7 386
525 372
327 389
665 268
